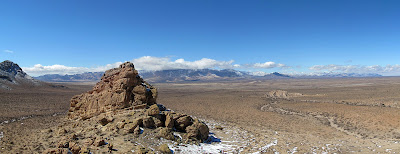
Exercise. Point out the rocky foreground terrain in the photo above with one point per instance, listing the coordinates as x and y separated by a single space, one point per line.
119 114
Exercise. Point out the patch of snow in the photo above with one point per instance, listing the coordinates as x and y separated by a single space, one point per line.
264 148
294 150
202 148
1 135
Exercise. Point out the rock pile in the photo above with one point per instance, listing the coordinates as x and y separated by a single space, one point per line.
123 106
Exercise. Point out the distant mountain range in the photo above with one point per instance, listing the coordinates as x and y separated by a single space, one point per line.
88 76
186 75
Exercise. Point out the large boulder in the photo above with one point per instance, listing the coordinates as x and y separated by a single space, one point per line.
119 88
197 131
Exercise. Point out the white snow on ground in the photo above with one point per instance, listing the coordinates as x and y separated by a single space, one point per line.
214 145
264 148
203 148
1 135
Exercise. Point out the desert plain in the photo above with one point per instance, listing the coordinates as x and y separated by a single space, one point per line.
338 115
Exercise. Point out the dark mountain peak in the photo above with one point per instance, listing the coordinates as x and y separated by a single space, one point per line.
12 74
279 74
11 68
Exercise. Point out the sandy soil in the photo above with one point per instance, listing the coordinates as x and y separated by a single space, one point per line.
332 115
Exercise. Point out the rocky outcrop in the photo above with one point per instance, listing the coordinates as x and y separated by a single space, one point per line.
11 74
122 105
119 88
281 94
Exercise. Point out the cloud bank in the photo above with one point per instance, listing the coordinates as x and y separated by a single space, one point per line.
150 63
157 63
384 70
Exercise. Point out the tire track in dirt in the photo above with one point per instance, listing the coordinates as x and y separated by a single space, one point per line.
323 117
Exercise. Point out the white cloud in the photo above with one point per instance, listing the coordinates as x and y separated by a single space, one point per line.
266 65
8 51
163 63
384 70
39 69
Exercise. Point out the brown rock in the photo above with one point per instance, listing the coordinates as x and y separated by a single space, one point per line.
198 130
219 127
136 131
56 151
148 122
182 122
121 125
130 127
104 120
75 148
157 122
153 110
169 121
142 106
99 142
166 133
119 88
164 149
63 144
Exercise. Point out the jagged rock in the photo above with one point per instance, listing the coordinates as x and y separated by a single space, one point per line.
136 131
182 122
153 110
99 142
105 120
198 130
148 122
119 88
163 148
169 121
166 133
157 122
75 148
121 125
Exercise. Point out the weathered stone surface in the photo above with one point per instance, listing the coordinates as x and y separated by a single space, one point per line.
104 120
148 122
198 131
99 142
164 149
119 88
166 133
157 122
182 122
169 121
153 110
75 148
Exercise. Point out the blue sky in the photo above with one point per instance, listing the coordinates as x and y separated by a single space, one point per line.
286 36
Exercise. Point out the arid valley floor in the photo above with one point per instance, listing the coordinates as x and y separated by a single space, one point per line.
348 115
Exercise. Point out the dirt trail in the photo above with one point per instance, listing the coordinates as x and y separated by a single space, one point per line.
272 107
